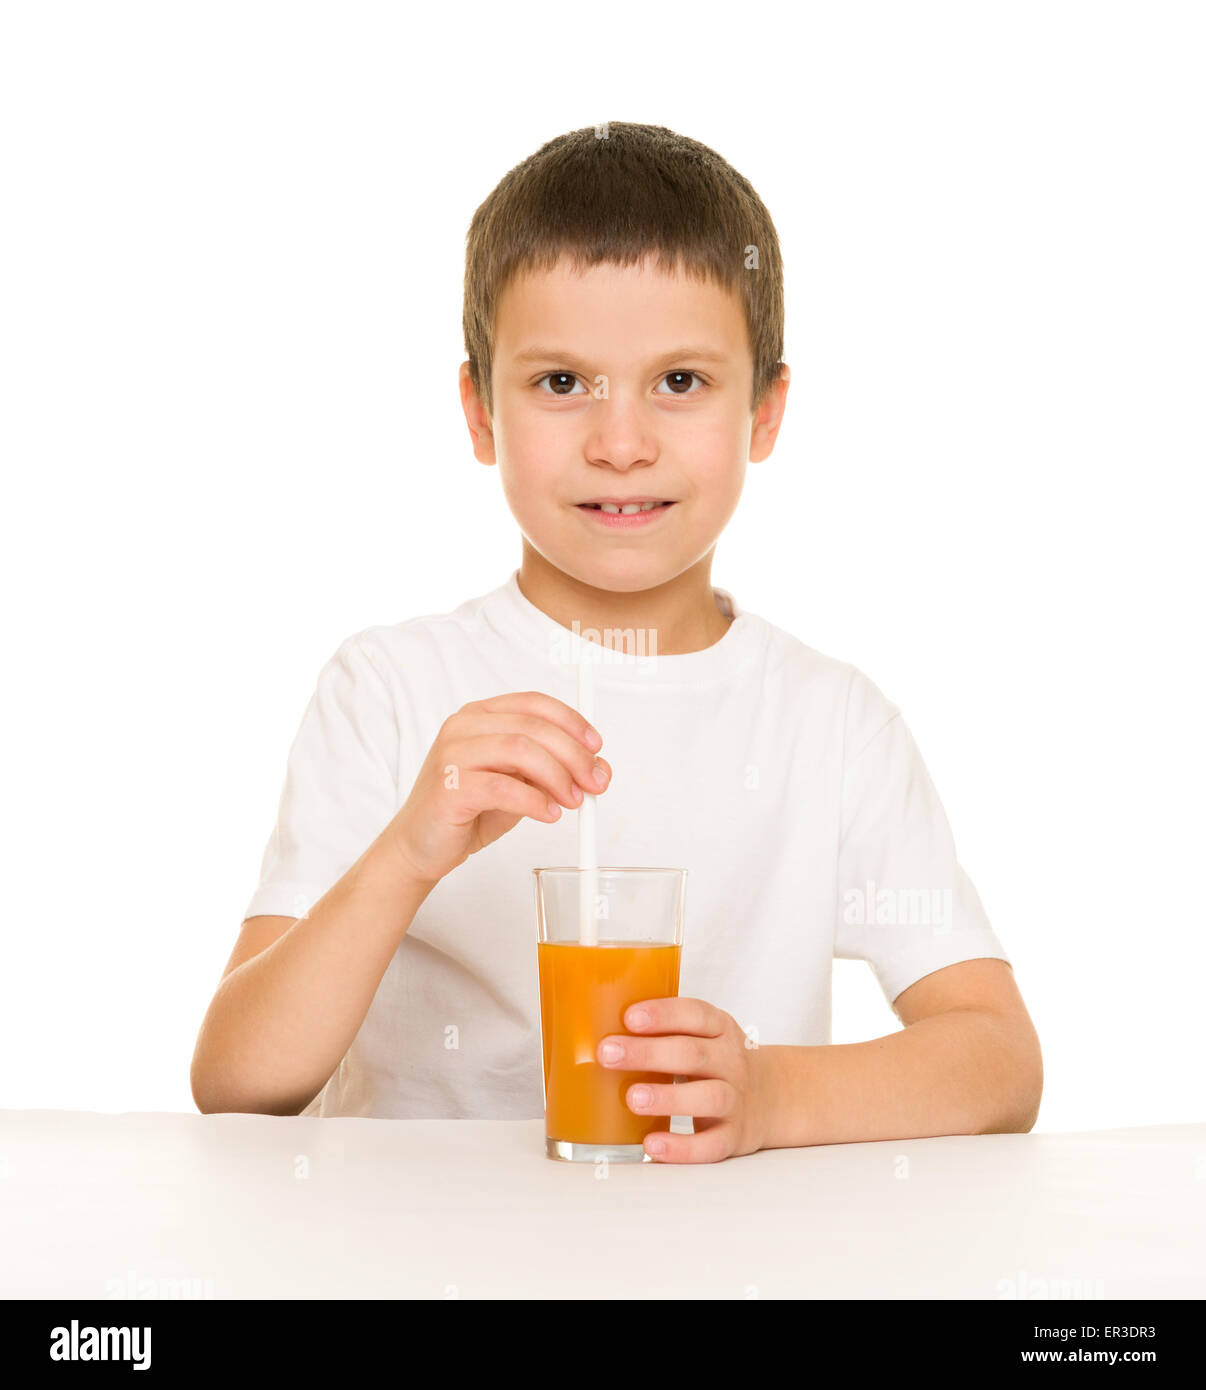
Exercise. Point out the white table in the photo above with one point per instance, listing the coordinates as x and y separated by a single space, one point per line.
252 1206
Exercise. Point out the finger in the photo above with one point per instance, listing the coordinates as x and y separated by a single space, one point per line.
495 791
579 762
677 1055
519 754
677 1015
710 1146
712 1098
546 707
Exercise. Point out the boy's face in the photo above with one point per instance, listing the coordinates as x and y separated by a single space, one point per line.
670 418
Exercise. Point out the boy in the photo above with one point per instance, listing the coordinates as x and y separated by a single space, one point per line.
624 325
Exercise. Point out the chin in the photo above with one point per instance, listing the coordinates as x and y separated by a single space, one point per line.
623 574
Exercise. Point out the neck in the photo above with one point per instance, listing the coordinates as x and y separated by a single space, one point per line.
677 617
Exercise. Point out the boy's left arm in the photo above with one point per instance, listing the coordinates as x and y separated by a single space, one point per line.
966 1062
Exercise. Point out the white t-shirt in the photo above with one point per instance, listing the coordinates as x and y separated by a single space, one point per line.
781 779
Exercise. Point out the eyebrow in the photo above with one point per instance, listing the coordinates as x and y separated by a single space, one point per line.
679 354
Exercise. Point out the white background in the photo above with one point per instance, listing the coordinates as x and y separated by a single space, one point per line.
230 269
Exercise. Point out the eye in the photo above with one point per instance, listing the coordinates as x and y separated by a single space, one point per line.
560 380
680 383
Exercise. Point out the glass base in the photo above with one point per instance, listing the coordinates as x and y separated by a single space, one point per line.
590 1153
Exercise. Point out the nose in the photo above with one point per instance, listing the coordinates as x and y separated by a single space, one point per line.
620 436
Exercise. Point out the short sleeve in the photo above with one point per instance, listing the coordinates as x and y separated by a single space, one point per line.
340 786
905 905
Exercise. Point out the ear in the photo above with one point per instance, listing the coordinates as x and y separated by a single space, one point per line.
477 418
769 417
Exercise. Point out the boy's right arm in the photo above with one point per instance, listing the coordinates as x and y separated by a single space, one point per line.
296 990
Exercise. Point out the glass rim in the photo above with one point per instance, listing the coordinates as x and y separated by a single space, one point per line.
609 869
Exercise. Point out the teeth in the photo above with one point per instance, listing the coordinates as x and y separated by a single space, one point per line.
631 509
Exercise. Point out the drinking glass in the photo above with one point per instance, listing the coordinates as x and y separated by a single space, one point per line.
585 987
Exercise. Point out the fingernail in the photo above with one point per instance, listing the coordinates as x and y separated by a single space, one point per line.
611 1052
641 1096
655 1146
593 739
638 1018
600 776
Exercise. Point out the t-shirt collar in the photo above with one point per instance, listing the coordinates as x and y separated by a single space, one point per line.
510 613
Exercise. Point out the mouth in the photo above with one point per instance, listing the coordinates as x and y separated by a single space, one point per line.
626 506
639 512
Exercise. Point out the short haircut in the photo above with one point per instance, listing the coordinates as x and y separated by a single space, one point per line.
618 193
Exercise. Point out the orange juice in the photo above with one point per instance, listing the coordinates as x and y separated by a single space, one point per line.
584 991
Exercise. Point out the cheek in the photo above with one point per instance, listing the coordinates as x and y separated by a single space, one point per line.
531 467
714 438
716 463
535 439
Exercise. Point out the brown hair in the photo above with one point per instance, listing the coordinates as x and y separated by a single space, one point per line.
617 197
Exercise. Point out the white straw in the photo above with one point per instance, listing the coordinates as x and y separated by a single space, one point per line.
587 844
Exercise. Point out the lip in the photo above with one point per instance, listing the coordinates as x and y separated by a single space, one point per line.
616 522
624 501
